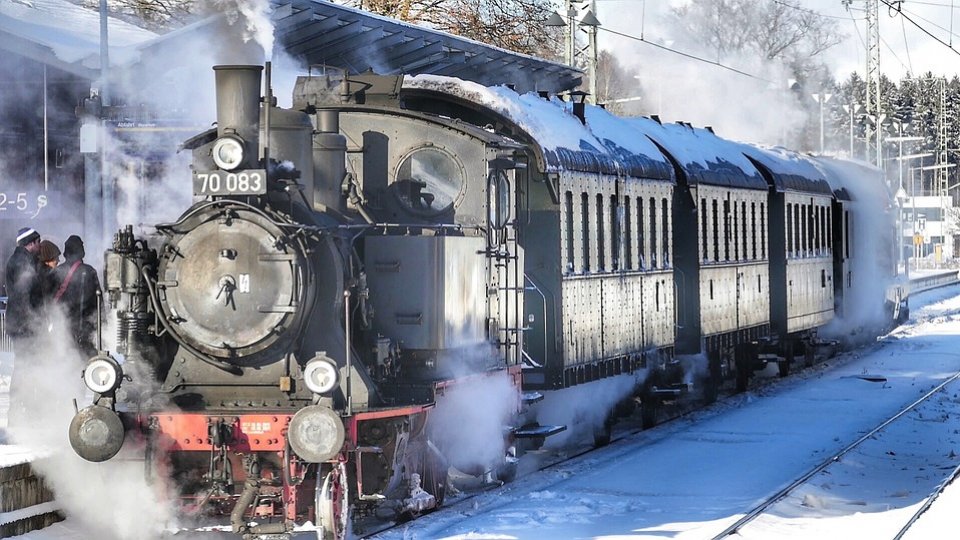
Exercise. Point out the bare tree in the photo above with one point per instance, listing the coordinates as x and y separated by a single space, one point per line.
781 30
517 25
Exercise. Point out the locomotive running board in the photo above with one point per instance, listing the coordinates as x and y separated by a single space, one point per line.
537 432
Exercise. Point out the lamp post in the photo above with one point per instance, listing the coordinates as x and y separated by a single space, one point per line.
821 99
852 108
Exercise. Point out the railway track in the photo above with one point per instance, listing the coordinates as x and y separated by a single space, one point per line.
802 490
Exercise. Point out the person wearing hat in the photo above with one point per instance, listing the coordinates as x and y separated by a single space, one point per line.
76 286
49 255
24 289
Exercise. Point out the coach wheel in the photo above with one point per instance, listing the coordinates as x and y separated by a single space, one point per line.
333 504
507 471
603 433
808 355
711 386
648 412
743 369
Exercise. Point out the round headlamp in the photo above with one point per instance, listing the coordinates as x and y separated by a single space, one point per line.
228 153
102 375
321 375
316 434
96 433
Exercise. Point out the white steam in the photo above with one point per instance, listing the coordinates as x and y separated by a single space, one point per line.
112 499
584 408
469 419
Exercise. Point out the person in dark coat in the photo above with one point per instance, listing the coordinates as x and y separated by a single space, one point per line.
49 256
76 287
24 288
23 316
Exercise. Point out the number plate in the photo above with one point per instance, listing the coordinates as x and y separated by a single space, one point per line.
248 182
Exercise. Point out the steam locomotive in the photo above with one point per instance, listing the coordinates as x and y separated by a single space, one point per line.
390 249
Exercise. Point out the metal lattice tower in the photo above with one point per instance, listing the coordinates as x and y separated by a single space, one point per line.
942 176
873 77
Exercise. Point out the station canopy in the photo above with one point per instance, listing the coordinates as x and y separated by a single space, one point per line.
323 33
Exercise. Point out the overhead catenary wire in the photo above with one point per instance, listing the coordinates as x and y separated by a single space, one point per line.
899 9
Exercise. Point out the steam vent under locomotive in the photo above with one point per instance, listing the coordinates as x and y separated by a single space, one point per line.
374 285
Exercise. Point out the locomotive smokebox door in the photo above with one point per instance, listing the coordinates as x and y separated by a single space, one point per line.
232 286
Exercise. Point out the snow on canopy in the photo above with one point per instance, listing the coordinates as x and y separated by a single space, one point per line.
71 32
705 158
564 142
789 171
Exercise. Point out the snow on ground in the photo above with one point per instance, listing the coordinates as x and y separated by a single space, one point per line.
692 477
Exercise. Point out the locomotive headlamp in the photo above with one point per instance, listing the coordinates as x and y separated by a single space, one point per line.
96 433
228 153
316 433
102 374
321 375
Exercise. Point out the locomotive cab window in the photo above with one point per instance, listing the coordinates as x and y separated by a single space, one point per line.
429 181
498 191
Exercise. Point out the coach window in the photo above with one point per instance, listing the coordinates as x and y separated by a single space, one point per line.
829 230
601 237
743 228
825 231
726 230
665 231
798 246
763 231
846 233
716 232
627 235
703 229
585 231
568 221
753 227
735 236
641 236
789 230
614 234
653 232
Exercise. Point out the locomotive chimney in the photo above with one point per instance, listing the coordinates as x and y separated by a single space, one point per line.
330 160
238 106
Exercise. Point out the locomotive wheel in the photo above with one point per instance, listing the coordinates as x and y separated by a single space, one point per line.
435 473
507 471
332 503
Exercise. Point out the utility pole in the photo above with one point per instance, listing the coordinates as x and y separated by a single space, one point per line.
873 73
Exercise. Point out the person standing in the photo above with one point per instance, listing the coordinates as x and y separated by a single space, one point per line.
49 256
76 286
24 299
24 288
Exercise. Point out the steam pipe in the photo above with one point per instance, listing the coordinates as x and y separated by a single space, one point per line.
346 322
265 147
238 104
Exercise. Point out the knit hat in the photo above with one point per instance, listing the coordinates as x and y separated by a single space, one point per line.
48 251
26 236
73 248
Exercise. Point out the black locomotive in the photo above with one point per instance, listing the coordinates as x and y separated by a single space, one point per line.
389 250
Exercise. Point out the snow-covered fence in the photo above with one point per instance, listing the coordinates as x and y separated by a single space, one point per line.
26 503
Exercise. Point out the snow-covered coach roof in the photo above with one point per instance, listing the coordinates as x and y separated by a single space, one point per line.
788 170
706 158
560 140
